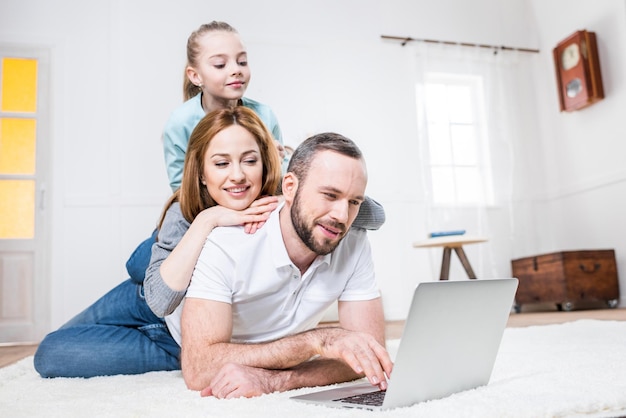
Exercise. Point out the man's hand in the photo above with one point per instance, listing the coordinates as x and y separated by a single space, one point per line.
360 350
235 381
311 358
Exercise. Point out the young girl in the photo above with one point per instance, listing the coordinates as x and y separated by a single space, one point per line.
216 77
231 162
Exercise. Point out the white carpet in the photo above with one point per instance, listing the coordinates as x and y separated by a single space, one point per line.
569 370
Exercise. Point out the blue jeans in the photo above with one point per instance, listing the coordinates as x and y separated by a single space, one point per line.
140 259
118 334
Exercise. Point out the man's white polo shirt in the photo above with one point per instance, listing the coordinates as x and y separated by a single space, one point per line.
270 298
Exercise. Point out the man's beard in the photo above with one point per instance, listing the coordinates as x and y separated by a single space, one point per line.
305 232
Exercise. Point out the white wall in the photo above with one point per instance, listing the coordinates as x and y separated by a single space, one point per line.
117 73
580 198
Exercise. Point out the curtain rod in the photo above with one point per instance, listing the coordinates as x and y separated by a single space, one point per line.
406 40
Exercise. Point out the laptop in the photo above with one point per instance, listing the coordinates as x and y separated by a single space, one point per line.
449 344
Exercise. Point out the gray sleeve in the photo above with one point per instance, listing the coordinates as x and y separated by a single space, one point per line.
371 215
159 296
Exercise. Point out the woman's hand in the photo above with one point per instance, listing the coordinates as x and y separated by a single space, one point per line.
252 218
265 206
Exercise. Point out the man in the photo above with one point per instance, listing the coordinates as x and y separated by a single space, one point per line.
249 317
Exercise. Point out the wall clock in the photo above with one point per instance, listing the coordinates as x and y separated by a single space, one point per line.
578 71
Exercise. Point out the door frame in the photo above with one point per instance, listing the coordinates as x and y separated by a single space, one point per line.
33 327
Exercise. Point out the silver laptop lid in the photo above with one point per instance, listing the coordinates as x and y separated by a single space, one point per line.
450 342
451 339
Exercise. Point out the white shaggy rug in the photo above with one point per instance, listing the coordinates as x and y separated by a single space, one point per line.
569 370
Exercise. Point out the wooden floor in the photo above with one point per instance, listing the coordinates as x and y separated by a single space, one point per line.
11 353
525 319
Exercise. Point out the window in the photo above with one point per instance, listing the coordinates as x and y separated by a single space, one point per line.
458 152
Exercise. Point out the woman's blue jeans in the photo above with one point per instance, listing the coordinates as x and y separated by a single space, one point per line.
118 334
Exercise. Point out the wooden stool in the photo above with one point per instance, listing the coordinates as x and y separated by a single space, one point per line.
448 243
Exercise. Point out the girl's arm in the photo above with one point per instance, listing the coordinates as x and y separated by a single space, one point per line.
174 148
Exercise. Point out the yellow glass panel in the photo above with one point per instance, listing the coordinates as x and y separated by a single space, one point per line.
17 146
19 85
17 209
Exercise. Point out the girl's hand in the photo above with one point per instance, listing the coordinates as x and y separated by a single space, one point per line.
281 149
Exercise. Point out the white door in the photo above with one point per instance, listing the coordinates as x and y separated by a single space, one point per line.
24 134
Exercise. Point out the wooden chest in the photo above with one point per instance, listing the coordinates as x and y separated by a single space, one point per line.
566 278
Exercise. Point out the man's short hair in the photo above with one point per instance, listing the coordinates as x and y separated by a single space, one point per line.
302 157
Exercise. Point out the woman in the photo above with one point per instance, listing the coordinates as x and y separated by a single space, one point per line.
231 162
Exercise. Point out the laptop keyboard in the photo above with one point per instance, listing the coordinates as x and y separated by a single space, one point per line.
370 398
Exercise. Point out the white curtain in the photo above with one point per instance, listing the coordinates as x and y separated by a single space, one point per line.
506 78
